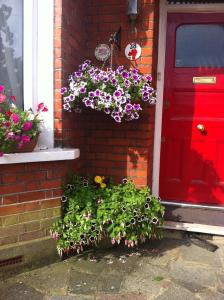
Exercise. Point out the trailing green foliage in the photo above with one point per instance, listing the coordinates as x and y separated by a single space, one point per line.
94 210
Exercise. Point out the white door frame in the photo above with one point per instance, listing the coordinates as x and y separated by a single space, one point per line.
164 10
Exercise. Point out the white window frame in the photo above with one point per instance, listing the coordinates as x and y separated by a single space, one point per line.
38 62
166 8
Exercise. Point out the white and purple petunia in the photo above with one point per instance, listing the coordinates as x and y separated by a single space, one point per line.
118 93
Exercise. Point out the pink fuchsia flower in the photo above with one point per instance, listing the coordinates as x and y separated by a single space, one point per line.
1 153
2 98
42 107
27 125
2 88
25 139
13 98
15 118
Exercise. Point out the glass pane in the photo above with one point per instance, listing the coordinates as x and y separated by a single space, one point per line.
200 46
11 47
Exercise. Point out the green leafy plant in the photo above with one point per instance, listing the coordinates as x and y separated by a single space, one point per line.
94 209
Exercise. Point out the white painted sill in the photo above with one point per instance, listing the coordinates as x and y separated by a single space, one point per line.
40 155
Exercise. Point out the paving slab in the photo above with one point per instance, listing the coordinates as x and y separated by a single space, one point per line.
200 255
19 291
52 279
163 270
175 292
192 276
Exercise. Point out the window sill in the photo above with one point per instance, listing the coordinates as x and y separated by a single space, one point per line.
40 155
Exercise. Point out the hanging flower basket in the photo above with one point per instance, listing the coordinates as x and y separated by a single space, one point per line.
119 93
19 129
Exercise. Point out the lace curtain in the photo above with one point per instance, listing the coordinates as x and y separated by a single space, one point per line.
11 47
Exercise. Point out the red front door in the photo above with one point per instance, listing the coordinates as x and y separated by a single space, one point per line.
192 147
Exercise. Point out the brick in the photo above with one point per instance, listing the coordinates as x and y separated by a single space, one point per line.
8 178
51 203
9 220
8 240
10 199
27 236
46 223
53 212
32 226
31 216
31 196
12 230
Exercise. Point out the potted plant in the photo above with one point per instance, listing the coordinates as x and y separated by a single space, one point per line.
95 209
119 93
19 129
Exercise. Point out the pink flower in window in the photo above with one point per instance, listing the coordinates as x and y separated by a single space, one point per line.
2 98
15 118
41 107
27 125
25 139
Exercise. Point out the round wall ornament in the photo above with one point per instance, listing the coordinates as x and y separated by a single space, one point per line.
102 52
133 51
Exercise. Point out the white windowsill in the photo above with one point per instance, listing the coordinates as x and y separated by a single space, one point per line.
40 155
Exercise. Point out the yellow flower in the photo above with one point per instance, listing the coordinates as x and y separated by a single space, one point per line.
103 185
98 179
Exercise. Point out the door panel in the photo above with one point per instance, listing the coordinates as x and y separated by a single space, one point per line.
192 150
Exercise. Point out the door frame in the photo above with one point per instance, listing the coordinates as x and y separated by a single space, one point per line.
164 9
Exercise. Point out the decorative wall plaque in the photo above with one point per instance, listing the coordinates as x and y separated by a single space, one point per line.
133 51
102 52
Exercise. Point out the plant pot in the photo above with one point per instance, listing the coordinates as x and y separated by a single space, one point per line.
28 147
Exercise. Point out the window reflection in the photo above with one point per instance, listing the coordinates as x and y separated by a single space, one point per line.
11 47
200 45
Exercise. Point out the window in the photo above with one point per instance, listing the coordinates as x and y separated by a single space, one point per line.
200 45
11 47
26 56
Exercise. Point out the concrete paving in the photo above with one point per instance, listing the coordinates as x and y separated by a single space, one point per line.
161 270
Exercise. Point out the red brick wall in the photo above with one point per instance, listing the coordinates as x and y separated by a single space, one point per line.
30 193
126 149
69 45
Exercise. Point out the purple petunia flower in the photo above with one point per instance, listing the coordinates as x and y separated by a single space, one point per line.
134 71
83 90
97 93
108 98
117 119
67 106
78 74
148 78
88 103
135 77
136 115
63 90
127 83
107 111
114 82
71 97
91 94
117 93
125 75
128 107
137 106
